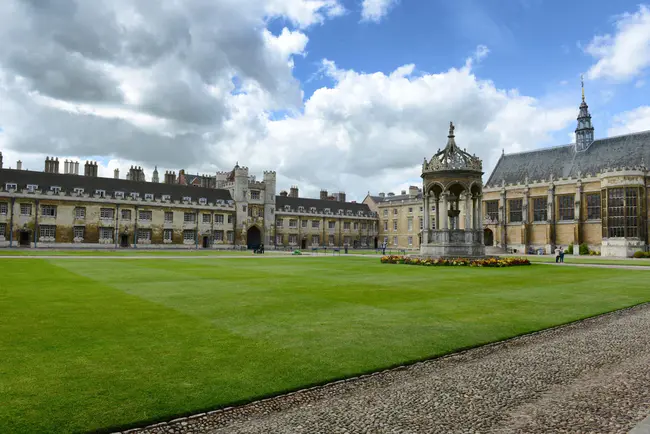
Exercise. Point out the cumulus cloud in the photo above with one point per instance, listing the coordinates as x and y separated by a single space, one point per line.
201 84
626 53
375 10
631 121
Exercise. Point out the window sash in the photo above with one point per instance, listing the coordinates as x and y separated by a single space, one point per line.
540 209
566 207
515 210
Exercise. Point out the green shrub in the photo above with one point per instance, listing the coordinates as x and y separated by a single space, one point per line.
584 249
641 254
569 250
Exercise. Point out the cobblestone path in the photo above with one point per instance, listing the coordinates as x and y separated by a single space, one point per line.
588 377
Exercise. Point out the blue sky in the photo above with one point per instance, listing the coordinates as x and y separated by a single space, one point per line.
535 47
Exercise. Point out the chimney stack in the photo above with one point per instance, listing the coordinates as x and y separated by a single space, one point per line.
413 190
341 196
56 165
0 160
116 173
19 165
66 167
76 168
87 168
47 164
293 191
323 195
283 193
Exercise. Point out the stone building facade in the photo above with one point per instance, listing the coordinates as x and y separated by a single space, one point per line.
53 209
592 192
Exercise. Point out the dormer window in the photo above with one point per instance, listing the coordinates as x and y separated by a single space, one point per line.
135 195
31 188
203 201
166 198
148 196
340 212
187 199
313 210
78 191
100 193
349 212
360 213
10 186
55 189
327 211
287 208
119 195
301 209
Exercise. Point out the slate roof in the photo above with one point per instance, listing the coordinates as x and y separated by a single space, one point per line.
69 182
320 205
631 150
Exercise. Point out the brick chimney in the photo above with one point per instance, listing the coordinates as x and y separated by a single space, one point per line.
413 190
323 195
19 165
293 191
116 173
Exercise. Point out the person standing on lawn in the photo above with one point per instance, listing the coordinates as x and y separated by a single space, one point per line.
558 249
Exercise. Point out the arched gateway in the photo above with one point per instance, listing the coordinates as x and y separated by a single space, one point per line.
253 237
452 183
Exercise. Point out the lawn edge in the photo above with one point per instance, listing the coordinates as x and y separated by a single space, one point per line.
280 395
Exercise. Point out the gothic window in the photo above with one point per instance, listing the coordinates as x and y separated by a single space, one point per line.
540 205
492 210
622 212
515 210
593 206
565 207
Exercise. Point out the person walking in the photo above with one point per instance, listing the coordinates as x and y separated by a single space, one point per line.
561 255
558 249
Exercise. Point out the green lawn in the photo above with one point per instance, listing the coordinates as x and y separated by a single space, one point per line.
569 259
97 344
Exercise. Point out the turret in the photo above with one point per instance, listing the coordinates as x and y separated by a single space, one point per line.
154 178
323 195
116 173
584 129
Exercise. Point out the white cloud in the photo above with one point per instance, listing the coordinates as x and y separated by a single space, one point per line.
375 10
631 121
625 54
204 101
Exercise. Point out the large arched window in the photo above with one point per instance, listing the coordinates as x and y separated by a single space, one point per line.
622 212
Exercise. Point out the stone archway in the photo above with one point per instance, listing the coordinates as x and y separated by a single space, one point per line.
253 237
488 237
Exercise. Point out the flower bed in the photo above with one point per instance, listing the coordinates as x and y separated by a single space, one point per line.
487 262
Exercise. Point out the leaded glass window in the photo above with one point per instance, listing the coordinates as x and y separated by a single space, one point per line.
492 210
515 210
540 206
566 210
616 212
593 206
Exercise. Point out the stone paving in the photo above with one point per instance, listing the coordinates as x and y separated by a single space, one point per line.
587 377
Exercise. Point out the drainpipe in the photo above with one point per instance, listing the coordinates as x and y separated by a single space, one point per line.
135 229
212 217
117 224
196 235
36 225
340 224
11 222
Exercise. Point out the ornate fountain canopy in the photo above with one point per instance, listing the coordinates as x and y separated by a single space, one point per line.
452 158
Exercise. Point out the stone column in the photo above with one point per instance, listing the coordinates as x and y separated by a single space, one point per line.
550 209
502 222
479 219
524 220
444 212
469 211
577 228
425 217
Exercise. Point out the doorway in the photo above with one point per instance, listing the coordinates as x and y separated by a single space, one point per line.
124 240
206 242
253 237
303 244
376 243
24 239
488 237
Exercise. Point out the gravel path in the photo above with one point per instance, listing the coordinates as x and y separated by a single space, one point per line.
588 377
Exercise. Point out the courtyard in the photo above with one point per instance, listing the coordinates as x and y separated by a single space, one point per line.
107 344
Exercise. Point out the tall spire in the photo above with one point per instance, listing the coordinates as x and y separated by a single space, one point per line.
155 178
584 129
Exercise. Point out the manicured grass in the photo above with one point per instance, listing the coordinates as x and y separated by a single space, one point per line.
92 345
121 252
569 259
